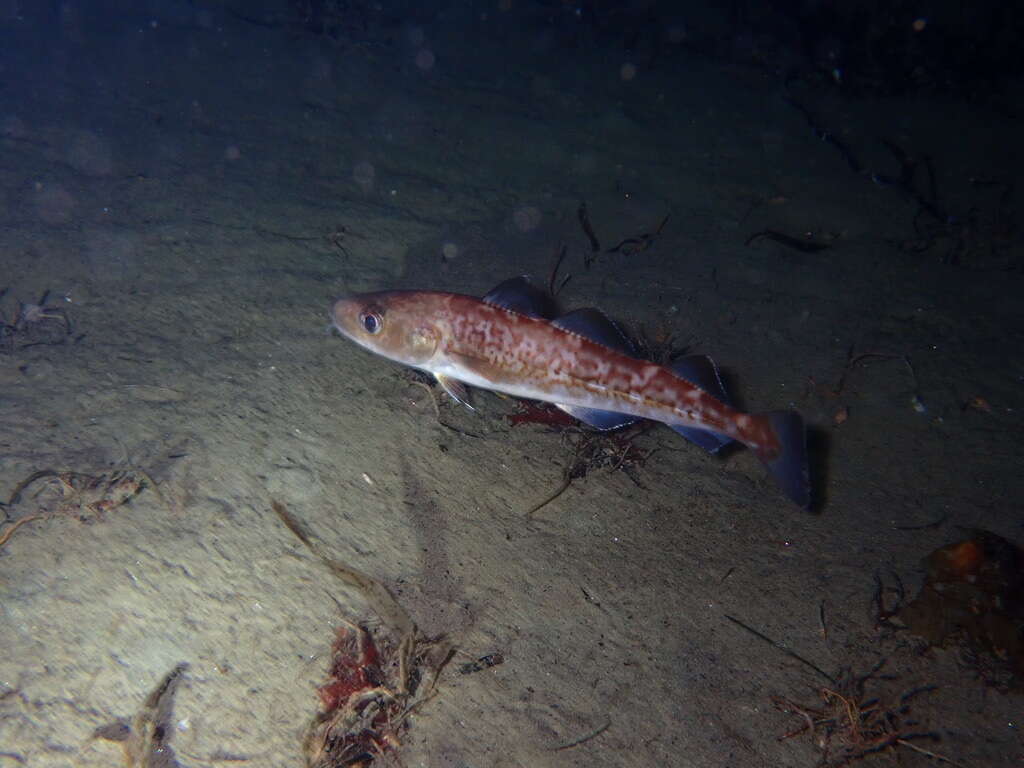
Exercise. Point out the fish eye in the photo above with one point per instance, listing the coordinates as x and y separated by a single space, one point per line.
372 322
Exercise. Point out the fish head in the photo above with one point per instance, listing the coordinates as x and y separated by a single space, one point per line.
398 325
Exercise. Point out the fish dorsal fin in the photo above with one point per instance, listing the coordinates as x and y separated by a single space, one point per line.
595 325
518 295
701 371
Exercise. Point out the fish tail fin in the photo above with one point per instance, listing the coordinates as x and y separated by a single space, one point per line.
788 465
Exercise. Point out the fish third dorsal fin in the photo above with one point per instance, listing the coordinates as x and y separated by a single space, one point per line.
518 295
595 325
701 371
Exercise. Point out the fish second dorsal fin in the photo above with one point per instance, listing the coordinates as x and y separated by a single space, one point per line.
595 325
518 295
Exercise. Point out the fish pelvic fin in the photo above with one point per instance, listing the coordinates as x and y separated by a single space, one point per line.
456 390
788 464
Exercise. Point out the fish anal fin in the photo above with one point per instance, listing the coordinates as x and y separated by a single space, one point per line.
712 442
601 420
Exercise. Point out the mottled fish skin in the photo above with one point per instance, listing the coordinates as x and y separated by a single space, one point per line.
455 336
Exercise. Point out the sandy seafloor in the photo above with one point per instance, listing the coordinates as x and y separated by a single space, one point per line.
177 183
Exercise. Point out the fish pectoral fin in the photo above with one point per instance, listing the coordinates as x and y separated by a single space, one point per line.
456 390
602 420
480 366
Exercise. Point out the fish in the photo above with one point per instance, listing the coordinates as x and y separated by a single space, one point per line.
514 340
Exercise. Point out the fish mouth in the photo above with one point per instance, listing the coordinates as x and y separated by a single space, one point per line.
343 314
